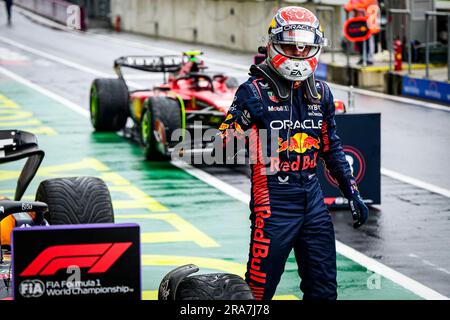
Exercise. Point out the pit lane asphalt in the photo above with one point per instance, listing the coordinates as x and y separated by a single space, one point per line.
410 230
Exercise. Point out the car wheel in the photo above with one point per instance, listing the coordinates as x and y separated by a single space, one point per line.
214 286
79 200
147 138
108 104
160 118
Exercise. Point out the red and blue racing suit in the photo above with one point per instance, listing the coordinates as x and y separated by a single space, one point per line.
287 205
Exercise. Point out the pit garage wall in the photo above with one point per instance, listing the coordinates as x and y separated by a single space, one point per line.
238 25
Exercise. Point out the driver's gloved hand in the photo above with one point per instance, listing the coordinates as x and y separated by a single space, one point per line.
254 107
359 210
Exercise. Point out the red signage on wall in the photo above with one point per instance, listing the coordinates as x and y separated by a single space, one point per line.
356 29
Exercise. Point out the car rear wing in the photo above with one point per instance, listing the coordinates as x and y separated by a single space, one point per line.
164 64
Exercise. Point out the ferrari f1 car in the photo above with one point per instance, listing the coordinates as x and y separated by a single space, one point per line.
188 98
79 200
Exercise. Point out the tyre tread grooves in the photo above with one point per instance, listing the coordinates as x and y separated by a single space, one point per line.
76 200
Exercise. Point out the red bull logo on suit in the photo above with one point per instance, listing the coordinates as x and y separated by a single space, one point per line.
299 142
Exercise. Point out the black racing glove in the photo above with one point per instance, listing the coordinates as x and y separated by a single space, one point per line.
359 210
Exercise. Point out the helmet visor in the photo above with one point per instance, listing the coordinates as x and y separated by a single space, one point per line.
298 41
297 50
305 36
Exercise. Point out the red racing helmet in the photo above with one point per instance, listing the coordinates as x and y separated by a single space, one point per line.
295 41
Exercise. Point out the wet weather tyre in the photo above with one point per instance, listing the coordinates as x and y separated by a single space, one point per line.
78 200
108 104
161 117
214 286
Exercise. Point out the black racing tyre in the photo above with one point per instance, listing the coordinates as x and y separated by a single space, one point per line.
108 104
79 200
214 286
160 118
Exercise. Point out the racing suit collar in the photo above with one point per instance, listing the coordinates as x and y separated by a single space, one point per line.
280 86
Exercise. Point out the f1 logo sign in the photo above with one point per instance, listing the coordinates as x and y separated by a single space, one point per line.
99 257
92 261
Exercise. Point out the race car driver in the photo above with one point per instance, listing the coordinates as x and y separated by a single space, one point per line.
287 206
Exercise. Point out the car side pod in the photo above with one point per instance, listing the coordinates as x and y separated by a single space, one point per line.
8 207
169 284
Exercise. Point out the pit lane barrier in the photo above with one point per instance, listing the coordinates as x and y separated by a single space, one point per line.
424 88
415 86
57 10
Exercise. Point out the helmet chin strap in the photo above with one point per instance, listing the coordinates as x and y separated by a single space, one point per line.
309 86
281 86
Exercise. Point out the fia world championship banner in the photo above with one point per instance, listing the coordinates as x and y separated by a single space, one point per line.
99 261
361 137
426 89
